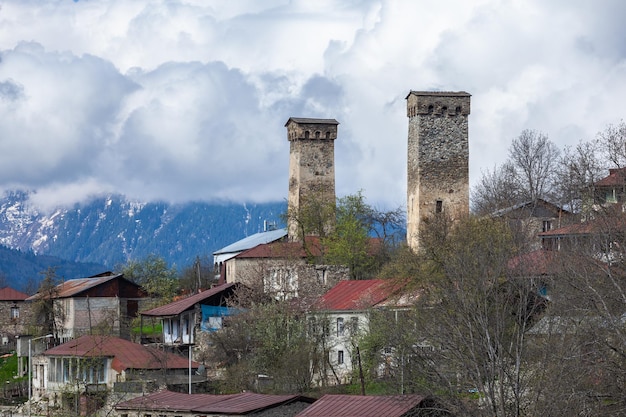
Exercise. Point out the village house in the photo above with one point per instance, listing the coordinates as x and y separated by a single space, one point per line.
285 270
530 218
175 404
15 315
101 304
221 256
186 323
342 316
84 372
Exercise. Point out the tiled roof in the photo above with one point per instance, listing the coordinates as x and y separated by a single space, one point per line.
177 307
243 403
362 406
76 286
125 354
9 294
616 177
357 294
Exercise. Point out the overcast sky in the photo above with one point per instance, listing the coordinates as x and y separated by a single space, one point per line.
187 99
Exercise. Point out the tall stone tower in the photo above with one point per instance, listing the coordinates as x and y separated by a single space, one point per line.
438 158
311 165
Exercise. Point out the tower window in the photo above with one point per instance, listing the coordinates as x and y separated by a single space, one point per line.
307 134
317 134
431 108
327 135
439 206
444 110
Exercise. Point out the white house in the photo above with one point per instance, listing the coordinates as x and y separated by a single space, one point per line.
343 313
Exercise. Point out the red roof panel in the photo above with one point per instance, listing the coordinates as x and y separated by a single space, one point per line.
9 294
125 354
362 406
357 294
243 403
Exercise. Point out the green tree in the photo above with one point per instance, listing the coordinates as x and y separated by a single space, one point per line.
48 315
265 348
154 275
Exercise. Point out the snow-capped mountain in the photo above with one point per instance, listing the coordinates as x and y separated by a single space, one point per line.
110 230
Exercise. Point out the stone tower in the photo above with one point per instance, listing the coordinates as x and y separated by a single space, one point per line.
311 164
438 158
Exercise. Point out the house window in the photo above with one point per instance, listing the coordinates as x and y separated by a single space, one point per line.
340 357
354 325
547 225
439 206
15 312
340 326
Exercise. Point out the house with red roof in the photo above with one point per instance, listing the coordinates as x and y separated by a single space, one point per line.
187 322
168 403
104 303
285 269
92 365
342 315
412 405
15 314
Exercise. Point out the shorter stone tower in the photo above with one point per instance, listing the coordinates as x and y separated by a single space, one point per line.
311 165
438 158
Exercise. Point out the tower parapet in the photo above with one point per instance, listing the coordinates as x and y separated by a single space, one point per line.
438 158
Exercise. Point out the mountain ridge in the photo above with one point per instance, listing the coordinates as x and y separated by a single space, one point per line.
110 230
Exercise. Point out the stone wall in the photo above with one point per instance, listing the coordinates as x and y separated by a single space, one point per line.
311 165
438 158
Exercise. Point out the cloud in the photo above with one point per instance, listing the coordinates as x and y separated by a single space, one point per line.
180 101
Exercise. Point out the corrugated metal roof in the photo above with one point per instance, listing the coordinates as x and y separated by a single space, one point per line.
125 354
177 307
75 286
284 249
357 294
243 403
256 239
9 294
362 406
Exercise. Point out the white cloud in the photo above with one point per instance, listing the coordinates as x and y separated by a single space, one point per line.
184 100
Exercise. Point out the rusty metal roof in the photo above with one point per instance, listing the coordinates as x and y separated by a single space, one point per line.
177 307
9 294
357 294
76 286
362 406
234 404
125 354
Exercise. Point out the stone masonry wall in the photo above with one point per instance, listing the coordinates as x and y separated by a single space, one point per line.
438 158
311 164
